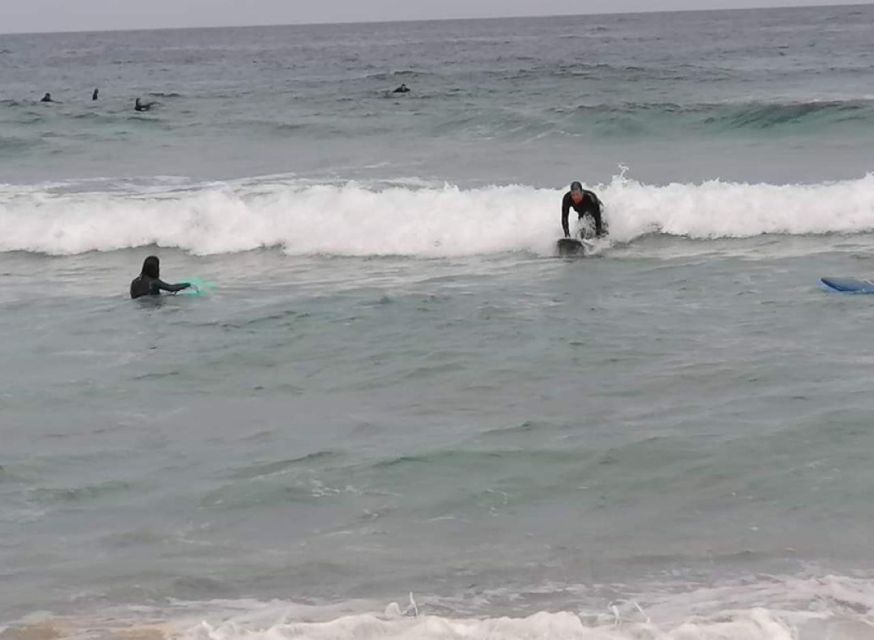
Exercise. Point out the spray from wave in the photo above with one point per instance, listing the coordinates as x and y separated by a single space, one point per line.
429 221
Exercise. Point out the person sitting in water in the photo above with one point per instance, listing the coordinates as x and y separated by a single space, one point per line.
140 106
47 98
149 282
585 203
95 95
402 89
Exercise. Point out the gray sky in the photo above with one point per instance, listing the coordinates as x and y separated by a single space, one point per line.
81 15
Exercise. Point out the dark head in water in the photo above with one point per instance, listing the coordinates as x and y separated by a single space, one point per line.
402 89
151 267
142 106
47 98
149 282
95 94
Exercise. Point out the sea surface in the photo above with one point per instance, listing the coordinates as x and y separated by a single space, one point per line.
397 414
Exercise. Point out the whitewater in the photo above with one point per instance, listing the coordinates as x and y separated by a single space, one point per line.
395 412
429 221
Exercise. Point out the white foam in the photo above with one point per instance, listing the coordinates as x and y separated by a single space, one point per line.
770 609
357 220
736 210
760 608
754 625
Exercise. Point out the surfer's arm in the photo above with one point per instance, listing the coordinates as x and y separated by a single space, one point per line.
595 209
172 288
596 214
565 209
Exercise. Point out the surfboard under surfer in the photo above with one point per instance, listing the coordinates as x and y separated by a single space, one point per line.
149 282
585 203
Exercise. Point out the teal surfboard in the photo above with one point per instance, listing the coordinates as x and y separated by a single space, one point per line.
198 288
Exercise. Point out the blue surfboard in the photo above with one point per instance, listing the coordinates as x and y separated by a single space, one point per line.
848 285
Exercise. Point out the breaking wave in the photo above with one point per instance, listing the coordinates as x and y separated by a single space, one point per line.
414 219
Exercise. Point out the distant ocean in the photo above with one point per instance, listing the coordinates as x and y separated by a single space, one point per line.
398 414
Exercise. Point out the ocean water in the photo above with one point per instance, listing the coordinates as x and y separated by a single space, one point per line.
398 414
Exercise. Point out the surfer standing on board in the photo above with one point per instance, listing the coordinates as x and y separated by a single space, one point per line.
585 203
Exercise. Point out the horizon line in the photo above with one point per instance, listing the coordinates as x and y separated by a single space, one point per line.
455 19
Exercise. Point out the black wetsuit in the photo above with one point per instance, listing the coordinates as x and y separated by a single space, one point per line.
589 205
143 106
146 286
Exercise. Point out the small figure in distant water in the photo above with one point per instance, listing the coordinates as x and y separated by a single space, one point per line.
149 282
47 98
95 94
141 106
585 203
402 89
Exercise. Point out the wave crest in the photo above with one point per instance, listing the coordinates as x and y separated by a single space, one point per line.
430 221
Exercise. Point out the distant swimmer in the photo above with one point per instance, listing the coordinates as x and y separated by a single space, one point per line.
149 282
141 106
47 98
95 94
585 203
402 89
